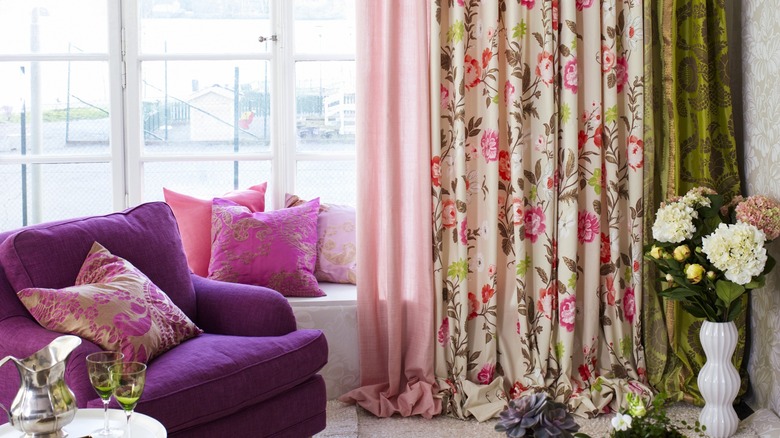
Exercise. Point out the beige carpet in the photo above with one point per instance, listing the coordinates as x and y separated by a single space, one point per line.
347 421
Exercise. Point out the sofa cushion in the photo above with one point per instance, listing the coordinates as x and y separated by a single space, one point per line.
213 376
276 249
50 255
113 305
194 218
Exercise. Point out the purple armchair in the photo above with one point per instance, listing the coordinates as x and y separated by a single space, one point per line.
252 373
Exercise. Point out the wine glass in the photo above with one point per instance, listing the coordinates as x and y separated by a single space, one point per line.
99 368
129 379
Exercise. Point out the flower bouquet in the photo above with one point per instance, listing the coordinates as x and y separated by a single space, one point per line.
711 254
641 422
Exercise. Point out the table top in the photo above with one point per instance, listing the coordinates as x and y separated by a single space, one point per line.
90 420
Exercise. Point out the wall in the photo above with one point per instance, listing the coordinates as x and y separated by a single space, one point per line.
761 99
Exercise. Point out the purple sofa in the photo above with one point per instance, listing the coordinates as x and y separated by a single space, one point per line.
252 373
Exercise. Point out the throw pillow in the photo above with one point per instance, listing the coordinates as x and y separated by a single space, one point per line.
194 218
276 249
113 305
336 242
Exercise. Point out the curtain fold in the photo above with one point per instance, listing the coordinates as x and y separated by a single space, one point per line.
690 131
537 170
394 274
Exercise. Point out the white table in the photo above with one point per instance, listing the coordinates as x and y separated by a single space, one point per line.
90 420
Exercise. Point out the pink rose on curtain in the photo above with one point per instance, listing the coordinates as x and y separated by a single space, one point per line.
629 304
570 75
528 3
489 144
504 165
436 170
567 313
611 293
584 372
555 14
584 4
582 138
621 73
509 92
546 303
544 67
516 389
598 136
534 223
473 306
487 55
445 96
473 72
606 251
487 293
607 59
464 232
587 226
485 375
636 156
444 331
517 210
448 214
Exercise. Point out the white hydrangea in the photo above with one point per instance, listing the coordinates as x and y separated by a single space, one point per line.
674 222
695 199
737 250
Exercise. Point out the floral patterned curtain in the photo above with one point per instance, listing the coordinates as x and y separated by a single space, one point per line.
537 175
690 136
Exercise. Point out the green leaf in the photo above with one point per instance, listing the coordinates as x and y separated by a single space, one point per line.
519 30
678 293
595 181
626 346
459 270
572 284
757 283
532 195
495 99
694 310
559 350
565 113
728 291
735 310
770 263
611 114
522 266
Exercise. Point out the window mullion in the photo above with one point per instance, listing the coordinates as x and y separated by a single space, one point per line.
132 104
116 110
283 102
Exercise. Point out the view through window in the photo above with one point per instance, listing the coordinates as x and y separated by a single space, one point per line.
104 103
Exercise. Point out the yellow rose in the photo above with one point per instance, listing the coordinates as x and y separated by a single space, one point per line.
681 253
669 278
711 275
656 252
694 272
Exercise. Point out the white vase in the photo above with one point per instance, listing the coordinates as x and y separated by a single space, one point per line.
718 379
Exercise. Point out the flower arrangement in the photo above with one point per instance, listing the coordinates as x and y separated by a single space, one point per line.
709 253
641 422
539 416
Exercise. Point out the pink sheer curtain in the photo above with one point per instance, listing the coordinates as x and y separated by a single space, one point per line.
395 268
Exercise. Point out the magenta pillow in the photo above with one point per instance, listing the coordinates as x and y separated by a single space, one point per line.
336 242
193 216
276 249
113 305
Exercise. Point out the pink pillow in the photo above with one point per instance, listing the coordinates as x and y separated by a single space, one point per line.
194 218
336 242
113 305
276 249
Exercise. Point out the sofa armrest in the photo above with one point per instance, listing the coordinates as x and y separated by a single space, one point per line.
241 309
22 336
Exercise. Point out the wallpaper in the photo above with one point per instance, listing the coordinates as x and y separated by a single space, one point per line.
761 97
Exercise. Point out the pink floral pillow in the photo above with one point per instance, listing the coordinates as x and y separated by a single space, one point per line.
276 249
193 215
336 242
113 305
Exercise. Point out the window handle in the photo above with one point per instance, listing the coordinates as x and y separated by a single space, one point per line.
263 39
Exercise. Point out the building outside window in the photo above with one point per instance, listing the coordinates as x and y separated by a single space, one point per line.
104 103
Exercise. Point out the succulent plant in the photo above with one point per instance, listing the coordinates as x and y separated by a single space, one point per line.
536 415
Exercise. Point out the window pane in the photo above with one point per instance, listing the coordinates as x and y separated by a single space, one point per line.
64 106
227 26
324 26
190 106
332 181
53 192
202 179
63 26
325 106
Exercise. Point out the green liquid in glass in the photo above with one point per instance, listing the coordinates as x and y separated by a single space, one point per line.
127 403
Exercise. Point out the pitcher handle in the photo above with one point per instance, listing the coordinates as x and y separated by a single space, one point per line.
2 362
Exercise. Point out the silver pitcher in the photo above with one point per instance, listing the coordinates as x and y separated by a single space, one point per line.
44 403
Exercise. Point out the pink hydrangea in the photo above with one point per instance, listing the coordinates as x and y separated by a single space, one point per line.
761 212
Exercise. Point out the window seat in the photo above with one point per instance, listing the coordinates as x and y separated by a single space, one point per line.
336 315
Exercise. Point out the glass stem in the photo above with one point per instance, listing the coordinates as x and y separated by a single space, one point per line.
128 413
105 417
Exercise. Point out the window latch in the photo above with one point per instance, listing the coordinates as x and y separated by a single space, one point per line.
263 39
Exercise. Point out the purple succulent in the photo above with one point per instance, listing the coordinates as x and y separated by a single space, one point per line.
556 422
522 415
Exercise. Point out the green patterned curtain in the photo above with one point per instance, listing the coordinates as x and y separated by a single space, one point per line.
689 125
